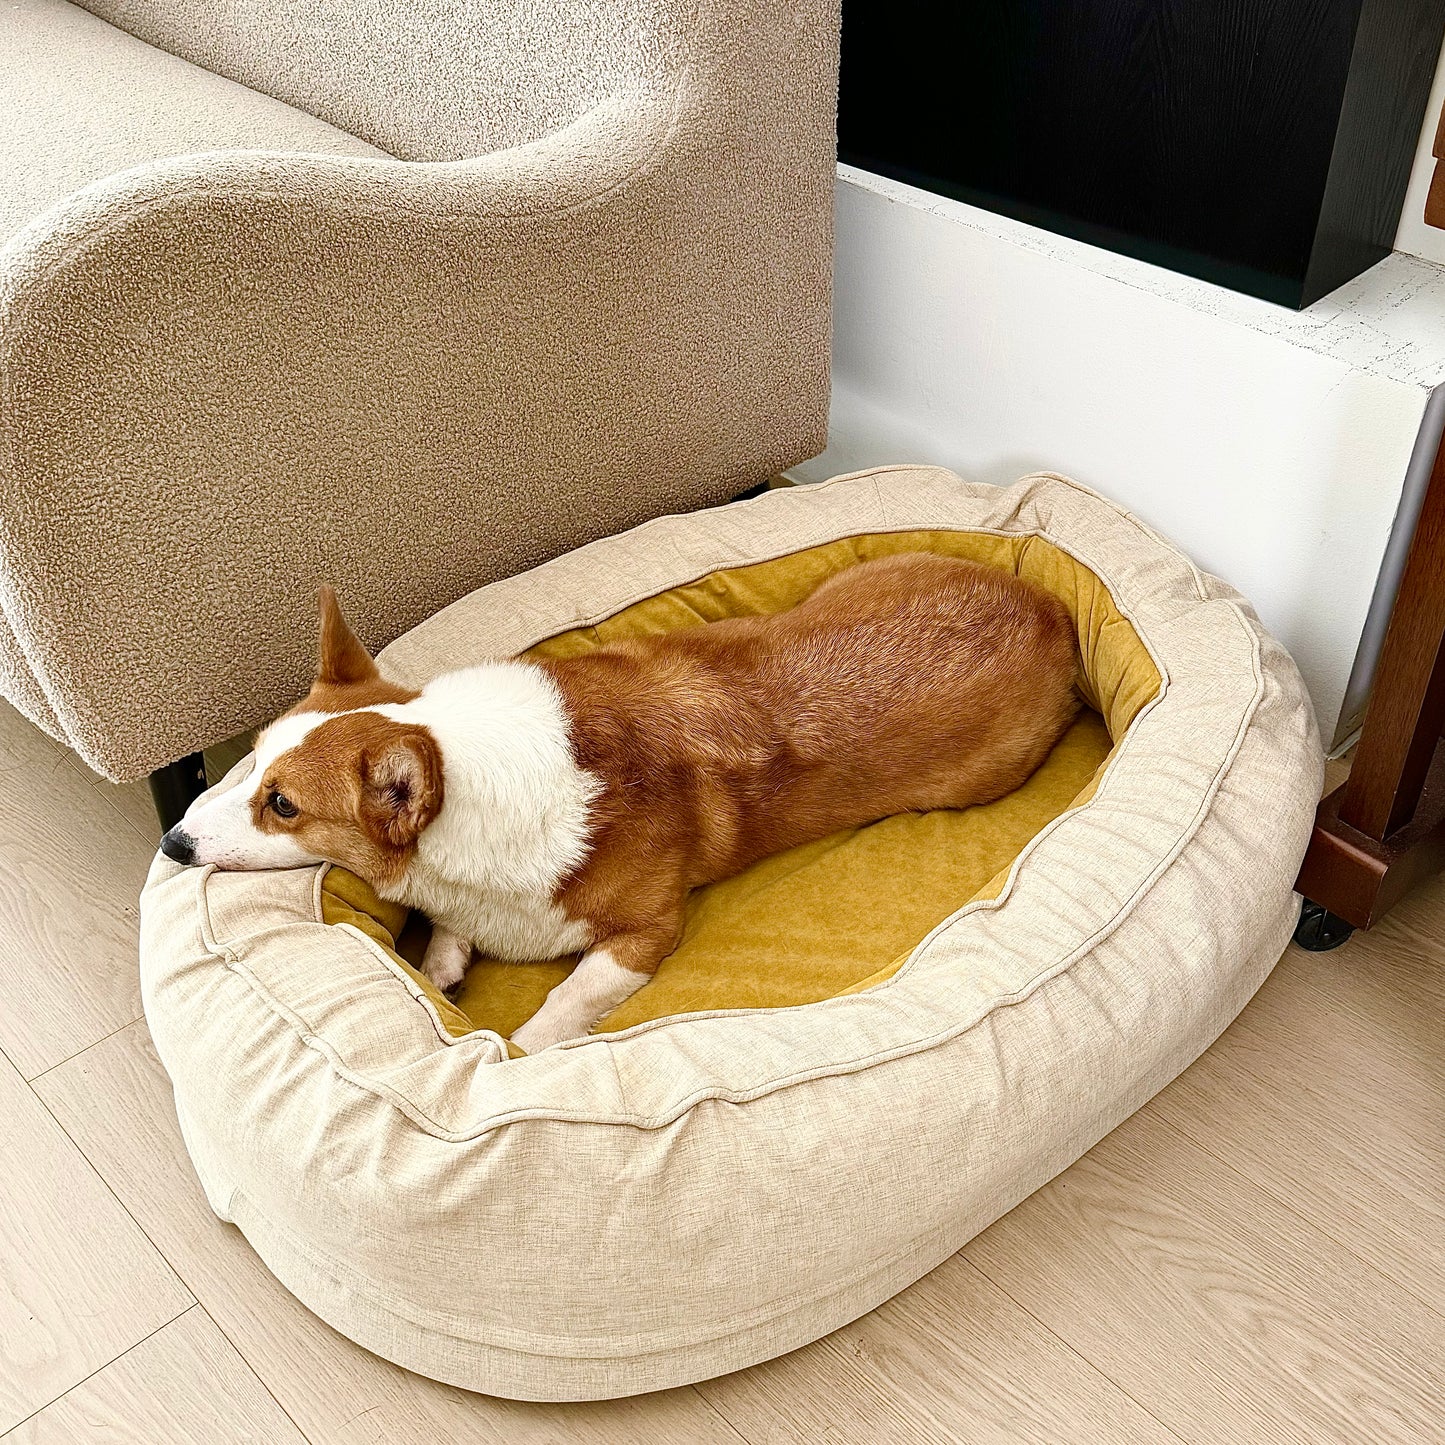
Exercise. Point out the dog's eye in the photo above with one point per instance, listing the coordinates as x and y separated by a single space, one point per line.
282 806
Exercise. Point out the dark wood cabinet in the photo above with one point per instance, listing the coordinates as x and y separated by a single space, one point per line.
1435 201
1262 144
1383 830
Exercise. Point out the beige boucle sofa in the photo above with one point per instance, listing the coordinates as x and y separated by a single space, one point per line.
405 298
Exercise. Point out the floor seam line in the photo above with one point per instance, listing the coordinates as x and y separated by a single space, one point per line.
91 1374
34 1079
1089 1364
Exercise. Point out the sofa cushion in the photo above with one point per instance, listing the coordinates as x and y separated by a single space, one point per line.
81 100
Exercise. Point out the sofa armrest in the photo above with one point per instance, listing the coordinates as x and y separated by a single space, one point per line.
426 82
230 377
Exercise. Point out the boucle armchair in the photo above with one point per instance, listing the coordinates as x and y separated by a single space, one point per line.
404 298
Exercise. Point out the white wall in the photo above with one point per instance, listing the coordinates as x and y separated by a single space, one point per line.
1272 446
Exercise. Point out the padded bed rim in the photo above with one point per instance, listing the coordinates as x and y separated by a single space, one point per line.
816 1176
490 1048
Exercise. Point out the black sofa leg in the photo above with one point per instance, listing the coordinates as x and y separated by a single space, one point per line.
754 491
176 786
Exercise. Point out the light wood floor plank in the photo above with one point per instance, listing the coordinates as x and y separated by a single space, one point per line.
79 1282
1224 1313
184 1385
71 871
224 756
115 1101
1329 1092
1336 771
951 1360
131 800
1259 1256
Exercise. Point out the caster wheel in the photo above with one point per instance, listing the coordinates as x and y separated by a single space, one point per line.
1319 930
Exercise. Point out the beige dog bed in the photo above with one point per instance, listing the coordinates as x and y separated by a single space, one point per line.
863 1052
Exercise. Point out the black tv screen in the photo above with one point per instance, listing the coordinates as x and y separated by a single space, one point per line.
1262 144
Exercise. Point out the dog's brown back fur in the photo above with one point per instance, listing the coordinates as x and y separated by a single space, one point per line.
905 684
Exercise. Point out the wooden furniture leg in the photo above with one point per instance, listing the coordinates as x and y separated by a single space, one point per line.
1383 830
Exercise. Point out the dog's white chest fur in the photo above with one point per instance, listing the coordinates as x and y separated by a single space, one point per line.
515 926
514 815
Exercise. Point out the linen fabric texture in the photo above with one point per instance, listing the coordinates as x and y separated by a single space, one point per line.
693 1194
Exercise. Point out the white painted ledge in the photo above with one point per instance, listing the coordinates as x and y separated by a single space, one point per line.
1387 321
1273 445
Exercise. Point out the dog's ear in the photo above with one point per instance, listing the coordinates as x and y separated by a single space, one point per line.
342 659
402 779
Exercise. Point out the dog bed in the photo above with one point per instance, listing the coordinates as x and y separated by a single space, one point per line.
864 1050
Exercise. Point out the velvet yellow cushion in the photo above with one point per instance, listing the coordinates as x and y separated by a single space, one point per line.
844 912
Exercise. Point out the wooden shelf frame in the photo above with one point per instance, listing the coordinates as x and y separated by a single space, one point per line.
1383 830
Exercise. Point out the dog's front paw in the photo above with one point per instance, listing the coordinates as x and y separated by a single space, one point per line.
540 1033
446 959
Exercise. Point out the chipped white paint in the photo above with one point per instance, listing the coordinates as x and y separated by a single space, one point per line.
1273 445
1386 322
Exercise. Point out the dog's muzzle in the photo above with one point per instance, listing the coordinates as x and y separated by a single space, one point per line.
179 846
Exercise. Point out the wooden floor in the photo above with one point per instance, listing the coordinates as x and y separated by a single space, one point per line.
1258 1255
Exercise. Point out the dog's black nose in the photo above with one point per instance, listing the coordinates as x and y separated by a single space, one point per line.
179 846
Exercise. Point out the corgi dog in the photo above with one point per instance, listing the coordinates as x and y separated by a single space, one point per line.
538 808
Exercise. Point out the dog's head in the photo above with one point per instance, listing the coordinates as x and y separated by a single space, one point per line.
343 777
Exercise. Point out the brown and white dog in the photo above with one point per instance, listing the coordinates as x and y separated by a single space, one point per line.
534 809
